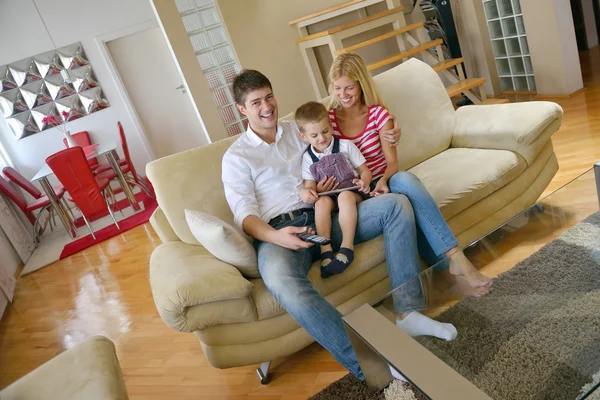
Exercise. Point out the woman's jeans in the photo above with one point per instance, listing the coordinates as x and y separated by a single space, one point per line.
434 236
284 271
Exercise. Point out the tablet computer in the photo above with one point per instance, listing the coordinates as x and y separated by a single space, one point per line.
338 190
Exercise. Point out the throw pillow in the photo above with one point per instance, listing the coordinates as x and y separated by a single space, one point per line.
223 241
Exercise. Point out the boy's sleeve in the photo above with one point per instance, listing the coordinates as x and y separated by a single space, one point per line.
355 156
306 163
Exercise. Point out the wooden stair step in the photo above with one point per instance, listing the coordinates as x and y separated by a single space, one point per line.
325 11
494 101
463 86
380 38
350 24
405 54
447 64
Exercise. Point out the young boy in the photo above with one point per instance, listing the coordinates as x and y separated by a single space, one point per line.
329 156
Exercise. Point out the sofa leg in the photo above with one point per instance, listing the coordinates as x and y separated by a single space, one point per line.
538 207
263 372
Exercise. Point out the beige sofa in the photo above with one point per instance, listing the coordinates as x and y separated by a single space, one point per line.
90 370
482 165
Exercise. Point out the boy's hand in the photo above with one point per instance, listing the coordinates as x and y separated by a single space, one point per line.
326 184
309 196
380 188
364 188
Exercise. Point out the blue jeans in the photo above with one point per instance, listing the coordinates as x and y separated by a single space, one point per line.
284 271
434 237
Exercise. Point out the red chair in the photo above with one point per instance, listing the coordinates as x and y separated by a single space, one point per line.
128 167
42 204
16 177
83 140
86 191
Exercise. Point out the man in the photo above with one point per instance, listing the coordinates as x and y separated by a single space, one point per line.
261 175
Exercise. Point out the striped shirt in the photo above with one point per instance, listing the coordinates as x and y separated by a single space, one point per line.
368 140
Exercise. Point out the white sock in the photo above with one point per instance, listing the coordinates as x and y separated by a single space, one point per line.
416 324
397 375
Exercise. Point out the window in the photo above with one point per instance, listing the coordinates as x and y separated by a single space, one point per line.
215 55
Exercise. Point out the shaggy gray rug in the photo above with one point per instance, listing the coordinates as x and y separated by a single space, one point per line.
535 337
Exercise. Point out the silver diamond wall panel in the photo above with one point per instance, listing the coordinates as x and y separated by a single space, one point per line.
33 88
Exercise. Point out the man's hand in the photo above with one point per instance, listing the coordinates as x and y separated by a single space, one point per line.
326 184
380 188
286 237
392 136
363 185
309 196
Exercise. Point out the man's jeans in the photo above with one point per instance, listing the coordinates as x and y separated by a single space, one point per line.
284 271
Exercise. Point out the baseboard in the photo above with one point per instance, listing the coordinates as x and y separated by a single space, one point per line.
559 96
517 92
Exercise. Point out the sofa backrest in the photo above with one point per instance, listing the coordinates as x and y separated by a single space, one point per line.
412 92
191 180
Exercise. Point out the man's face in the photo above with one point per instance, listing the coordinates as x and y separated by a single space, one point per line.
318 134
260 107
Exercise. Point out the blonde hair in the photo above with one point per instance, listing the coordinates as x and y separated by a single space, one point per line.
310 112
353 66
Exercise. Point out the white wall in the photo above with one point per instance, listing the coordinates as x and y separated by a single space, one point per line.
553 47
22 35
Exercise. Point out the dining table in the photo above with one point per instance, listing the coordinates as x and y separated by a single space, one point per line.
108 150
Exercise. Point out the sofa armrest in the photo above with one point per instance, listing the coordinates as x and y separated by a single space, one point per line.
192 289
161 226
520 127
90 370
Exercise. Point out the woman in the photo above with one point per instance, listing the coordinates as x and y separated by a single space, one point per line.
357 113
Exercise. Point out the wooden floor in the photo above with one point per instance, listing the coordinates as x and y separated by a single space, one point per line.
104 290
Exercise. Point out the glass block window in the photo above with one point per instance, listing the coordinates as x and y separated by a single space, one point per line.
509 42
215 56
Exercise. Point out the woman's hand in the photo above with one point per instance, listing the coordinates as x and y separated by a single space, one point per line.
309 196
380 188
327 184
392 136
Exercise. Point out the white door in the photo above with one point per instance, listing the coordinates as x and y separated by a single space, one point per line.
155 88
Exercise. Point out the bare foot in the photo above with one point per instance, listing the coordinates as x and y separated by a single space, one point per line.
461 266
464 288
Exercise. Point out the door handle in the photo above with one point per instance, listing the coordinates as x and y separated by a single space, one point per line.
182 87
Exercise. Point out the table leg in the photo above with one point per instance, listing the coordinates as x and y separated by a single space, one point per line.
60 211
597 175
126 189
377 342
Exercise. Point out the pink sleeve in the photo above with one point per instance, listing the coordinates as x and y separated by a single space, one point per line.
382 118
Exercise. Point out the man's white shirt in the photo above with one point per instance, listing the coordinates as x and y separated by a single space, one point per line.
264 179
351 153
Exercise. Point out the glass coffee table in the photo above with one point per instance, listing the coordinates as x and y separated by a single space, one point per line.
535 336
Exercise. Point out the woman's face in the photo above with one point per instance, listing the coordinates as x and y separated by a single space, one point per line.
347 91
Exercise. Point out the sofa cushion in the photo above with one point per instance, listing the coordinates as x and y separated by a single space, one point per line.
415 94
224 241
458 178
366 256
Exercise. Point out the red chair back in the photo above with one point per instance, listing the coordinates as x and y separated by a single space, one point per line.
126 149
83 140
16 197
20 180
72 170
